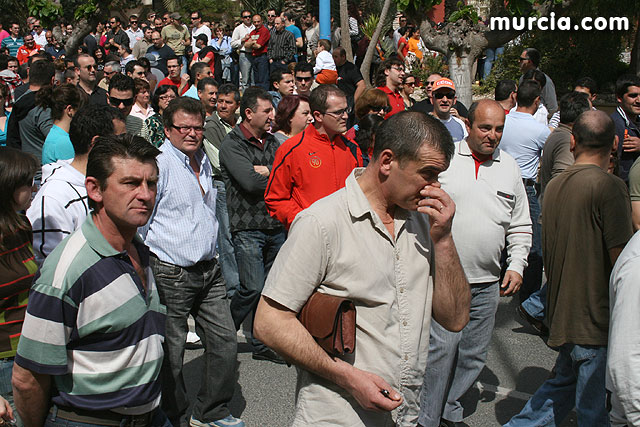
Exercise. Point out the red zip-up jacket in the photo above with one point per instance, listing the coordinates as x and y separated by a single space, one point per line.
307 168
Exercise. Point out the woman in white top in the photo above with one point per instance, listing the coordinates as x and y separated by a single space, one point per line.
141 107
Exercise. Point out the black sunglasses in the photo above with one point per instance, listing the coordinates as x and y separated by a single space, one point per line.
448 95
384 108
117 101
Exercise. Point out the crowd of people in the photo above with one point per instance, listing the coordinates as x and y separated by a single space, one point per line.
167 170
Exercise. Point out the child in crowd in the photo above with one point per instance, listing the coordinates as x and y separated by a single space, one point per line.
325 69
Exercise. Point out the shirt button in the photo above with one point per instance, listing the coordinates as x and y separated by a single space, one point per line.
406 357
404 323
401 290
397 256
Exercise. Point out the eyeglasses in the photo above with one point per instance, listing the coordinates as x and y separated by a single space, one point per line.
448 95
271 16
384 108
430 83
409 83
398 68
37 26
195 17
523 59
167 97
339 113
303 79
133 22
90 67
247 16
115 102
185 130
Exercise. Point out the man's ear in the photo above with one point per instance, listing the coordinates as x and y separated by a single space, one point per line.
572 144
386 161
467 124
616 141
93 189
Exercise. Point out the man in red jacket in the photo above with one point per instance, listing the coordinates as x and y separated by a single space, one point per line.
316 162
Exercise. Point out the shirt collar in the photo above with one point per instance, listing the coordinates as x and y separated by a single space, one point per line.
359 206
169 147
248 135
99 244
388 90
464 150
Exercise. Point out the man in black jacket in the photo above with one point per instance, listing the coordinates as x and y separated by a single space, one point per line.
246 156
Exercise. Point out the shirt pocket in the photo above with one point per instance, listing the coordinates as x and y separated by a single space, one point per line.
505 203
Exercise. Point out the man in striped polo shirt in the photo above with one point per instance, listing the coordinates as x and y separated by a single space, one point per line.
91 346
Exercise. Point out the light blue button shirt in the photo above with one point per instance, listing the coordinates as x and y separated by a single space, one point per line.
183 227
523 138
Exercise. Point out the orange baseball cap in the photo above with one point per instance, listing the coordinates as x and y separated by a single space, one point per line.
443 84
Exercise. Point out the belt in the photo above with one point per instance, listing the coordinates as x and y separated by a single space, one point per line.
528 182
101 418
200 265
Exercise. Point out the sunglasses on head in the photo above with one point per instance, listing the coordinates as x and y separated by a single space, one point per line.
115 102
448 95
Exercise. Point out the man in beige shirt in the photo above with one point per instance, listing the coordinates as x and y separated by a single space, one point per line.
384 241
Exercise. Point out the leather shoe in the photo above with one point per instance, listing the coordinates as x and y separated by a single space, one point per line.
536 324
270 356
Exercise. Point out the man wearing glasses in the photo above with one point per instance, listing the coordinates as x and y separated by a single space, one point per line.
187 272
86 68
394 76
121 89
134 32
198 28
39 34
238 38
316 162
116 36
271 19
304 78
443 97
530 60
458 110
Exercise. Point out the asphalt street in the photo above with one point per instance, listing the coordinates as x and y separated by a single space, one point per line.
518 363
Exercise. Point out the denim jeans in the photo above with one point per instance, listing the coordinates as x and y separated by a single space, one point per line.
532 277
159 420
244 62
260 71
226 254
6 391
579 381
536 304
255 252
491 55
200 291
456 358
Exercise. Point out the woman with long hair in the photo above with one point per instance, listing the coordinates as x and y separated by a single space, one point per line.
408 86
372 101
153 128
365 135
141 107
63 101
292 116
221 45
17 263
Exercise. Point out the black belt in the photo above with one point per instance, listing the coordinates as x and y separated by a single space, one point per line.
101 418
528 182
200 265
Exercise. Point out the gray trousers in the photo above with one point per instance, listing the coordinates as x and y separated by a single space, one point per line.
244 62
456 358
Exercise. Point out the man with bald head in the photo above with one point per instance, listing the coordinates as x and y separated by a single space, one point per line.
583 207
491 207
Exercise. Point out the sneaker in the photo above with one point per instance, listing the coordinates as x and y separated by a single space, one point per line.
270 356
193 341
540 327
230 420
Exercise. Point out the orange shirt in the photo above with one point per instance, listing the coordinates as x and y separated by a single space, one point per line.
24 52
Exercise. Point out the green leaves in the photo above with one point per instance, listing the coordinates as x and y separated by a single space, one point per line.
467 13
45 10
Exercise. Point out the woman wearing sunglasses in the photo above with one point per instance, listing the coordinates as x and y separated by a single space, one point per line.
408 87
372 101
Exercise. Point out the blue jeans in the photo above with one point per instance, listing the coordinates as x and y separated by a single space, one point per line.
255 252
159 420
456 358
244 62
532 277
6 391
491 55
260 71
200 291
536 304
579 381
226 253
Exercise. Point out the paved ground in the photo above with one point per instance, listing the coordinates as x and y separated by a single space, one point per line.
518 363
